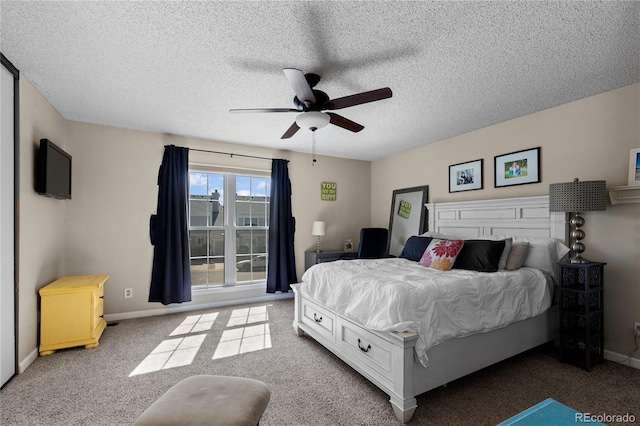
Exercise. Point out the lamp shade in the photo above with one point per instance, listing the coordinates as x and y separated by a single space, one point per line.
318 229
312 120
578 196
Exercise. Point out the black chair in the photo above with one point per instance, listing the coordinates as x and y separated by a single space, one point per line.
373 243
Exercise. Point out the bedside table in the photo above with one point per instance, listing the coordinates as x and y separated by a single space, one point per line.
581 313
72 313
313 257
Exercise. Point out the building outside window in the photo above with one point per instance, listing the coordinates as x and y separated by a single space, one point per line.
228 228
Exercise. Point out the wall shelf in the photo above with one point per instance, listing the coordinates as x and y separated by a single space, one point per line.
624 195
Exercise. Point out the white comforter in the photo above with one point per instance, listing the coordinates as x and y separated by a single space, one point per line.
400 295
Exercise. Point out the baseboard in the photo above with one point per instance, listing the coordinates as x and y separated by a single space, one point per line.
194 307
622 359
25 363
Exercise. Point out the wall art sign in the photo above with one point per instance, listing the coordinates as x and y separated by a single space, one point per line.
328 191
404 210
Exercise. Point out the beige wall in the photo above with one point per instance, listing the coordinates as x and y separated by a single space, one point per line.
41 219
589 139
115 192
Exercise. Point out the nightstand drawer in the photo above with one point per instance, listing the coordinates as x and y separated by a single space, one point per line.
319 319
312 257
99 294
99 311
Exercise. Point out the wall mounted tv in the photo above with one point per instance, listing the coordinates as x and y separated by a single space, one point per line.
53 171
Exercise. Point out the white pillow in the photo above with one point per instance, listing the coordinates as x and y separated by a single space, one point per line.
543 253
437 235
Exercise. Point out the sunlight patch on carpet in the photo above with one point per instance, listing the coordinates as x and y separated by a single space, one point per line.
195 323
250 338
247 331
170 353
242 340
248 316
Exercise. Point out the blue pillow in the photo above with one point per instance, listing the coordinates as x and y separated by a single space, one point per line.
415 247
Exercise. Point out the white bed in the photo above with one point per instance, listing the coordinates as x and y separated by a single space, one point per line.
387 358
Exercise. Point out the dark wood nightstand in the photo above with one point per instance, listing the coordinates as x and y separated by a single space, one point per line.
313 257
581 301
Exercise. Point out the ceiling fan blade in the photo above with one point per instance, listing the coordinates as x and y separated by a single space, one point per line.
345 123
264 110
359 98
291 131
300 85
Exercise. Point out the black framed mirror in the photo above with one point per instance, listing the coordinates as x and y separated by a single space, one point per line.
408 216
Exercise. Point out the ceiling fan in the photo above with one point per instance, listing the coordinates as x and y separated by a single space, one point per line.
310 104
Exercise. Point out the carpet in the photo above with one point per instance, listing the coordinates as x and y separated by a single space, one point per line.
140 359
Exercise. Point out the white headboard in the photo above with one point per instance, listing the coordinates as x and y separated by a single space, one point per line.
527 216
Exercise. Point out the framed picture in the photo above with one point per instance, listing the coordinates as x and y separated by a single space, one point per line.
348 245
517 168
465 176
634 167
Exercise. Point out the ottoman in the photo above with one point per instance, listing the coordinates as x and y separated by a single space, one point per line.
549 413
209 400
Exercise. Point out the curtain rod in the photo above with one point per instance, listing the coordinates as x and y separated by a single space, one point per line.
231 154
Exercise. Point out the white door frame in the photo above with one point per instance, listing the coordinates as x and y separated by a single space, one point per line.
9 194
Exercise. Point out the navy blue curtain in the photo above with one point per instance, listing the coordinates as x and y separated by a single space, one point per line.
282 227
171 274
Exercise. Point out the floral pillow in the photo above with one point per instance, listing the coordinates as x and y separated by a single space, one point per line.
441 254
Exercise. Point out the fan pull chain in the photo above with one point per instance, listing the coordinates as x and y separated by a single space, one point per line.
313 146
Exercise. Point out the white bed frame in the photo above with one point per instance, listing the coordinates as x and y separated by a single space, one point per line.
387 359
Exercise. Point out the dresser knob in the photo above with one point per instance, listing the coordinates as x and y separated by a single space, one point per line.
316 318
102 297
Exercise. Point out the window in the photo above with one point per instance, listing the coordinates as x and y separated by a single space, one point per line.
228 233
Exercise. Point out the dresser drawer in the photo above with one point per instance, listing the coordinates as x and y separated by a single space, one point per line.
319 319
99 311
99 323
99 294
367 349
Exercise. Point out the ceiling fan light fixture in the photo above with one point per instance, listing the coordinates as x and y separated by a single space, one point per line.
312 120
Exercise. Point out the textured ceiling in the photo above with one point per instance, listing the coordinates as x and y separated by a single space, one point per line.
178 67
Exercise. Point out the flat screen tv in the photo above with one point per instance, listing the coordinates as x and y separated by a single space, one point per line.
53 172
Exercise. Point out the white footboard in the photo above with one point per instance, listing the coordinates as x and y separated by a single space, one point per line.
385 359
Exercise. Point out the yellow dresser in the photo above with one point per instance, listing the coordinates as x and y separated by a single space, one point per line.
71 313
